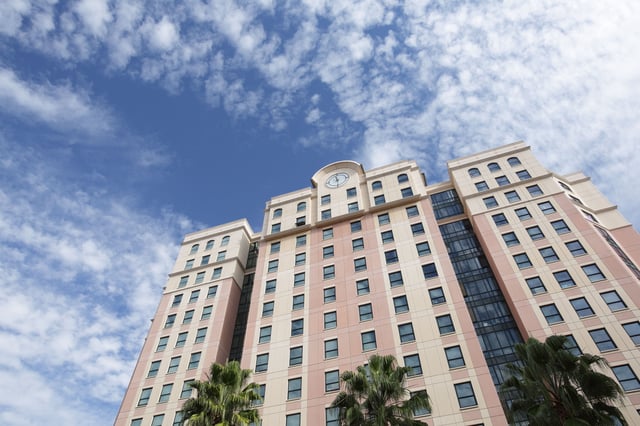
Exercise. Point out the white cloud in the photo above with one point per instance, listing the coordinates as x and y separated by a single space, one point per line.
163 35
95 15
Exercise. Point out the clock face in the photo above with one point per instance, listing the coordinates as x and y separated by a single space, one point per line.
337 179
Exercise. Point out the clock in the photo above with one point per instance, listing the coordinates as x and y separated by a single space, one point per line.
337 179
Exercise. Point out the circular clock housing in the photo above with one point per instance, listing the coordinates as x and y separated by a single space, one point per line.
337 179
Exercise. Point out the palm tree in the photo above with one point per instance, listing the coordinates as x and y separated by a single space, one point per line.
223 399
554 386
376 395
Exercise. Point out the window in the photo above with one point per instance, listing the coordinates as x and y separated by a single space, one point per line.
171 319
437 296
466 397
176 300
200 335
560 226
330 348
546 207
502 180
413 362
534 190
327 233
194 360
582 307
412 211
490 202
332 416
293 419
406 192
330 320
523 213
481 186
549 254
144 397
174 364
325 214
182 339
366 312
403 178
217 272
275 228
473 172
376 185
353 207
406 333
194 248
522 260
510 239
351 192
512 196
186 389
294 388
429 271
523 175
571 345
378 199
500 219
329 294
368 339
360 264
165 393
183 281
383 219
356 226
575 248
332 381
391 256
454 357
157 420
357 244
262 362
275 247
633 330
551 314
189 264
205 260
295 356
297 327
301 220
445 324
162 344
417 412
387 236
423 248
265 334
194 296
613 300
417 229
362 287
153 369
267 309
301 258
395 279
513 161
328 272
593 272
277 213
262 390
188 316
298 279
298 302
536 285
325 199
199 277
270 286
301 240
602 340
564 279
400 304
327 252
627 378
302 206
272 266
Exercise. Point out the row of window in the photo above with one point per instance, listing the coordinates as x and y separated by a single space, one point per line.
494 167
583 308
225 241
205 260
560 226
165 393
158 420
195 294
174 363
200 277
188 316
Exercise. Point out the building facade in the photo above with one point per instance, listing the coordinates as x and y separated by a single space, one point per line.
446 277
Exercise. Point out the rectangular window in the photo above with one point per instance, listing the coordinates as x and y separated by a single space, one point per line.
406 192
297 327
275 228
165 393
188 316
395 279
534 190
205 260
445 324
171 319
383 219
327 234
330 320
327 252
454 357
429 271
378 199
613 300
329 294
199 277
194 360
422 411
551 314
332 381
183 281
571 345
466 397
522 260
360 264
206 312
262 390
157 420
144 397
301 258
391 256
138 422
294 388
221 255
582 307
368 339
353 207
386 236
275 247
328 272
593 272
298 279
423 248
400 304
262 363
301 220
186 389
417 229
523 175
153 369
330 348
406 333
356 226
535 233
548 254
500 219
512 196
633 330
536 285
481 186
560 226
200 335
523 213
564 279
292 419
351 192
357 244
502 180
194 296
366 312
490 202
437 296
265 334
270 286
413 362
301 240
182 339
627 378
298 302
176 300
412 211
189 264
162 344
295 356
546 207
575 248
211 293
325 199
362 287
603 341
510 239
325 214
273 265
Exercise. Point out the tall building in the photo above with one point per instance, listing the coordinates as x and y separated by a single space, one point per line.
446 277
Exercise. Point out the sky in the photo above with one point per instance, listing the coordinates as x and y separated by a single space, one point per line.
125 124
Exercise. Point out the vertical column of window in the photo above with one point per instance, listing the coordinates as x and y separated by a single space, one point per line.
240 327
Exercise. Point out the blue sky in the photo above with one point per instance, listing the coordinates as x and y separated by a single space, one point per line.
125 124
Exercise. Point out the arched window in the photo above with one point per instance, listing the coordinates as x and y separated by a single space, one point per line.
209 244
493 167
376 185
277 213
302 206
225 240
514 161
474 172
403 178
194 248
